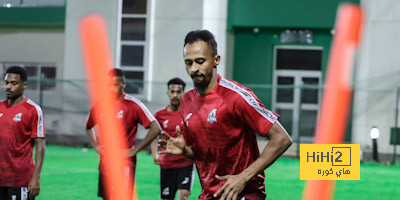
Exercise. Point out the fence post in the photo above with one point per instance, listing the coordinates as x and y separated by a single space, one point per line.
41 77
396 125
299 122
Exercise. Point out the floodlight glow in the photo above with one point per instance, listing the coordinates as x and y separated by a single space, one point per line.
8 5
374 132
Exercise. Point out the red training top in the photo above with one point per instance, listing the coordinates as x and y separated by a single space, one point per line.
131 111
19 124
220 127
168 121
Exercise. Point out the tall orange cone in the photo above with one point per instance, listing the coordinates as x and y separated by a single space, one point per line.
337 96
97 57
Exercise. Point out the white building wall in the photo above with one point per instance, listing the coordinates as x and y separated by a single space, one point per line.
36 47
377 75
214 19
75 105
173 19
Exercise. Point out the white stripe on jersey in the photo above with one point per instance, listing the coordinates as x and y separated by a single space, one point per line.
87 117
142 106
249 99
40 130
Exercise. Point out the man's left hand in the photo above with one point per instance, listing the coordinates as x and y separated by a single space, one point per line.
131 152
34 188
233 186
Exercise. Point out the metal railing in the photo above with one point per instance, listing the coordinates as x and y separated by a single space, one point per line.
70 97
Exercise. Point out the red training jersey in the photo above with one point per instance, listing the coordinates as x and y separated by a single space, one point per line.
131 111
19 125
220 127
168 121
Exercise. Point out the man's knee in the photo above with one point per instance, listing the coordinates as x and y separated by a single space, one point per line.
183 194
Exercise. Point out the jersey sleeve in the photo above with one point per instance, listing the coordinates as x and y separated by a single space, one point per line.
37 125
253 113
90 122
157 117
144 115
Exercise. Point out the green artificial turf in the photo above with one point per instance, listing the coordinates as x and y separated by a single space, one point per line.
71 173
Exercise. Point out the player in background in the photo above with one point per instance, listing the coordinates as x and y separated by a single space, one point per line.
177 172
221 118
131 111
22 128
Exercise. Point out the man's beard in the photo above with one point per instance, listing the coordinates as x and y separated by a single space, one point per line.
201 85
175 104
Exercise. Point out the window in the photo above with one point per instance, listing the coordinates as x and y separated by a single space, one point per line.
297 92
36 72
132 44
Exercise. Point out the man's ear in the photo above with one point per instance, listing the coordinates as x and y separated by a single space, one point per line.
217 60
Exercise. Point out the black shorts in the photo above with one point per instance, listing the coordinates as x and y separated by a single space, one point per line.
129 178
14 193
176 179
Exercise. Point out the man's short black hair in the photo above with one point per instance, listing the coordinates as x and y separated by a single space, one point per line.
203 35
18 70
177 81
116 72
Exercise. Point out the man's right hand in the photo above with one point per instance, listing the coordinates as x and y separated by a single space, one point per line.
99 150
174 146
155 159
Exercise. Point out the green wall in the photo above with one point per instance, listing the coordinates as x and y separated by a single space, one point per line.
253 52
283 13
32 17
255 63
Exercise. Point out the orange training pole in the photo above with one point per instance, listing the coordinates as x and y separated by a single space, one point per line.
98 62
337 96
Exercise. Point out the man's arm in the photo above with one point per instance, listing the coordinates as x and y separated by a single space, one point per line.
154 131
176 146
34 184
92 138
154 152
279 142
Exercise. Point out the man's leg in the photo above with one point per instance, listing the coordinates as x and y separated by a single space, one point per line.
3 193
129 180
183 194
168 183
185 181
101 190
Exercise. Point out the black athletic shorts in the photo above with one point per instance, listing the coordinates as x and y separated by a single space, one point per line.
14 193
128 172
176 179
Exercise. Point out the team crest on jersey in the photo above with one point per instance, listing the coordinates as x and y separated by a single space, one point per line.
187 118
120 114
17 117
1 114
165 123
212 116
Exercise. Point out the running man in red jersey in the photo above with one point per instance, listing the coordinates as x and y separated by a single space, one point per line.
177 172
221 118
22 127
131 112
